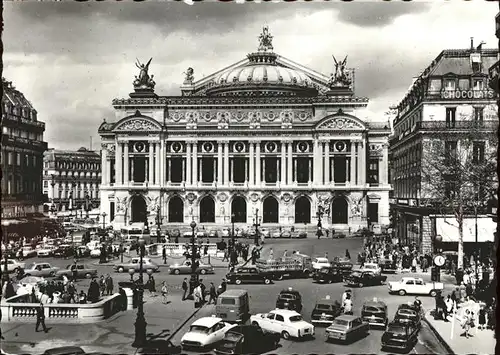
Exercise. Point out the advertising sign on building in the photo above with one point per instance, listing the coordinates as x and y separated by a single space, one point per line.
467 94
447 227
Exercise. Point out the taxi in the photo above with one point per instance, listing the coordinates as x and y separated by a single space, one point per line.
346 328
325 311
375 313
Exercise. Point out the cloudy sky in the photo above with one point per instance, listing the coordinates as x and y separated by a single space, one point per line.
72 59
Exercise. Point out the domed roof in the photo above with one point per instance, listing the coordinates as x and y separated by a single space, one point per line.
262 76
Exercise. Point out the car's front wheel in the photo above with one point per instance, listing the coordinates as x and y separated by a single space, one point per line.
360 284
402 292
120 269
237 282
433 293
267 281
285 335
88 275
52 274
177 271
203 271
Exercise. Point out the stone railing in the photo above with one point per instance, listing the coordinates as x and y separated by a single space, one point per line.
18 309
173 249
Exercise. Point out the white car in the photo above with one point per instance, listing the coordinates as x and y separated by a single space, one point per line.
28 252
319 263
45 251
204 332
95 253
27 284
12 265
285 322
372 267
415 286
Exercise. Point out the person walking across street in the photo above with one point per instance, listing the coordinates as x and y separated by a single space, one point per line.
109 284
212 294
152 286
184 288
347 254
347 305
40 318
164 254
164 292
102 285
203 288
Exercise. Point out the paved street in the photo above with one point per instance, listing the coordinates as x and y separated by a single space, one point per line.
262 299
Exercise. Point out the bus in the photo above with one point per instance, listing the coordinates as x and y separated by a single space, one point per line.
134 232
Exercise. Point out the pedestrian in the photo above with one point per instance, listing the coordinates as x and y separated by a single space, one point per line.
9 289
223 285
184 288
271 254
467 323
212 294
82 297
285 254
74 272
347 305
109 284
197 296
482 318
152 285
205 248
347 254
164 292
164 254
93 291
40 318
448 309
414 265
72 291
345 294
102 285
424 264
203 288
326 255
417 304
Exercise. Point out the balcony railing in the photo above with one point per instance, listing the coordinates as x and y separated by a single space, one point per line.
430 125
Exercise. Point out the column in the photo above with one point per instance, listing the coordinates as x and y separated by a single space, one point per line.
311 177
219 179
353 164
157 163
132 166
195 163
263 175
283 163
104 170
326 165
384 166
214 163
151 163
169 172
315 158
348 169
185 173
199 170
118 163
162 163
257 163
290 163
226 163
251 179
126 162
294 172
278 170
319 163
246 171
186 165
361 163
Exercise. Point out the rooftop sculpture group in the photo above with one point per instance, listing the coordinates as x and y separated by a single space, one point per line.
265 40
144 81
340 77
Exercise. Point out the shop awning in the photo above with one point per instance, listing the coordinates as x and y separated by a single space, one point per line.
448 229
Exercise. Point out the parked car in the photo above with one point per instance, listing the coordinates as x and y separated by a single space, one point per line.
26 284
12 265
343 264
373 267
415 285
248 339
248 275
82 271
285 322
134 263
319 263
45 251
63 251
205 332
408 313
289 299
185 268
388 266
29 252
401 336
325 311
367 278
41 270
346 328
375 313
327 275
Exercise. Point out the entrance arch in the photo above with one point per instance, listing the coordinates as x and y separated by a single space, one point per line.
339 211
176 210
239 209
139 209
270 211
207 210
302 210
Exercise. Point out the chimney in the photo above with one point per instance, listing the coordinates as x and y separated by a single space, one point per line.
472 43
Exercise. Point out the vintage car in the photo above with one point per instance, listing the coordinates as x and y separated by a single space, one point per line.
366 278
319 263
415 285
12 265
134 263
27 284
325 311
375 313
248 275
408 313
185 268
205 332
45 251
328 275
28 252
401 336
343 264
40 270
347 328
289 299
82 271
373 267
63 251
388 266
248 339
289 324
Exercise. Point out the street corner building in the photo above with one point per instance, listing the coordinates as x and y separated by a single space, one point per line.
262 136
447 104
22 157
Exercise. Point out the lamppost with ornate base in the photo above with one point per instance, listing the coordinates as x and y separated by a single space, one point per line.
158 224
140 322
104 214
193 282
319 215
232 231
256 224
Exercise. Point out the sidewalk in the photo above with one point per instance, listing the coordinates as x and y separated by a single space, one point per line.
114 335
482 342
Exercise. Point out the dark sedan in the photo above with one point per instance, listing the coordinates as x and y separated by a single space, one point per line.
365 278
375 313
328 275
399 336
247 339
289 299
408 313
325 311
248 275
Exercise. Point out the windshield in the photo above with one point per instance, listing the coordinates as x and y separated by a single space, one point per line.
397 330
374 310
199 329
341 322
322 260
287 297
233 337
30 266
323 307
295 318
406 312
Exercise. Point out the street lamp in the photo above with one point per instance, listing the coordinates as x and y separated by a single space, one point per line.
140 322
256 224
131 272
158 210
104 214
319 215
232 232
193 282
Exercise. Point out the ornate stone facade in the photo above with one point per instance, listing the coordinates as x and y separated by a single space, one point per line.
259 137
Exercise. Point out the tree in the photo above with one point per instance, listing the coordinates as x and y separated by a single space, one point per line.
458 171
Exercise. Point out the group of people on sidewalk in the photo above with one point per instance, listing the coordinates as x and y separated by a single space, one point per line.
199 292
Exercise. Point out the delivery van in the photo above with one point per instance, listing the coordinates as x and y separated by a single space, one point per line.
233 306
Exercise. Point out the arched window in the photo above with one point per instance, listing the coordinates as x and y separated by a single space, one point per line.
176 210
271 210
302 210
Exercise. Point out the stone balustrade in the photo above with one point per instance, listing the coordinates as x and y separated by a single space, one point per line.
178 249
18 309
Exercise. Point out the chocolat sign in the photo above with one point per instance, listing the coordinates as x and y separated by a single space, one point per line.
467 94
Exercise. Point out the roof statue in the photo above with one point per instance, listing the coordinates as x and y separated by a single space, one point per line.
265 40
144 81
340 77
189 76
